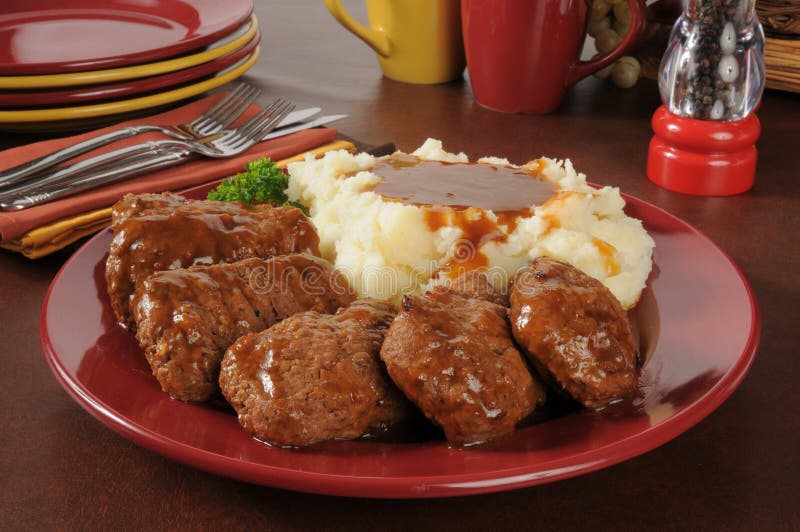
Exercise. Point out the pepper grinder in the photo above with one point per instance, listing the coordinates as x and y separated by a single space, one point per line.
711 80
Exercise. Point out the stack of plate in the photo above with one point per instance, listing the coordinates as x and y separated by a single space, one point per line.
97 61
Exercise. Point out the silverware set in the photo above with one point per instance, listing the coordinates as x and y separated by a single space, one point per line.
209 135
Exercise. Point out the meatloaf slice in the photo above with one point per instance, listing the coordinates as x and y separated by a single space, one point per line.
315 377
154 232
187 318
575 332
453 356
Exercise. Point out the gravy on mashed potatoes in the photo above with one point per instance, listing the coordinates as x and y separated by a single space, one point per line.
404 223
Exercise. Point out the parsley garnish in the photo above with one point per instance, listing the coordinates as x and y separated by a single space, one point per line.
261 181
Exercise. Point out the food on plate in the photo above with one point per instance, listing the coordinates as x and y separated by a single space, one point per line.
575 332
315 377
405 223
451 352
231 295
187 318
155 232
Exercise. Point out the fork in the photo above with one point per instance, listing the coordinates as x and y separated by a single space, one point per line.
218 117
220 145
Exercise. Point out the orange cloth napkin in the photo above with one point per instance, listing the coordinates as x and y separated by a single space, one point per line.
195 172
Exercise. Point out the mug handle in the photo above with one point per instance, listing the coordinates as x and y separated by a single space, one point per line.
375 39
581 69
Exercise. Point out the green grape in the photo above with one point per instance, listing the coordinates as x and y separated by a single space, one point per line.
622 13
629 59
626 72
605 72
622 29
606 40
596 26
614 2
600 9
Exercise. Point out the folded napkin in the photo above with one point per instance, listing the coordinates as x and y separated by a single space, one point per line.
49 238
14 225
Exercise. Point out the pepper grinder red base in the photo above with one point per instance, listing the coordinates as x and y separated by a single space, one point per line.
703 157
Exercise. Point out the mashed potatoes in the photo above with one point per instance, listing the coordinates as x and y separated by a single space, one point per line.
387 248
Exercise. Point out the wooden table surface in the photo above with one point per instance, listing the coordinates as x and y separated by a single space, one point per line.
739 468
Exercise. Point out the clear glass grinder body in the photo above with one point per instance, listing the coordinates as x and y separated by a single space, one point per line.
713 68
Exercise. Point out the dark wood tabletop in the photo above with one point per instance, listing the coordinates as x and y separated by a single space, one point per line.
737 469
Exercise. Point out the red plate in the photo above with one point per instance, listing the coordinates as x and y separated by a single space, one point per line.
53 36
97 93
699 329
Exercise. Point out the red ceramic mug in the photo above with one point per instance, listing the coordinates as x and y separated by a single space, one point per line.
522 55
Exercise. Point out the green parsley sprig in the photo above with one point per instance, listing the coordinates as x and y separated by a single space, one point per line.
261 181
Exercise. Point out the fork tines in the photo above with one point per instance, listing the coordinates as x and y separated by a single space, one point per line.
262 123
234 105
222 114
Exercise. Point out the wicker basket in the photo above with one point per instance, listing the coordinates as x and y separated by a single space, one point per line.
781 21
780 18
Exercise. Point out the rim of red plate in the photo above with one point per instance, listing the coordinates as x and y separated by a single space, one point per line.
222 19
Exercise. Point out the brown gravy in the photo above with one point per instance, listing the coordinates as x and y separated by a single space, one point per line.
461 185
609 254
459 194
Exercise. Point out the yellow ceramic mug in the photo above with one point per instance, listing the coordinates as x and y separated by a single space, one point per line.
417 41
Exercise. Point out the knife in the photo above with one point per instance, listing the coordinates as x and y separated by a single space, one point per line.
297 116
121 170
305 125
